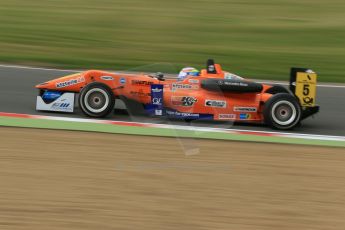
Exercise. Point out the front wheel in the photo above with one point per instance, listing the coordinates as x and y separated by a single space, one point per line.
282 111
96 100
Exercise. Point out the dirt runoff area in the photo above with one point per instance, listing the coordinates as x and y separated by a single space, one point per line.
79 180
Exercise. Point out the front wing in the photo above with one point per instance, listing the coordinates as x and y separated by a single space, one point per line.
63 103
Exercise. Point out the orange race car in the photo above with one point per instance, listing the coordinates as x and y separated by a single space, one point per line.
211 94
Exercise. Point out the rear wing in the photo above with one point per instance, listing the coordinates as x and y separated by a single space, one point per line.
303 84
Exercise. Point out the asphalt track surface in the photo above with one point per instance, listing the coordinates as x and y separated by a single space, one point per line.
18 95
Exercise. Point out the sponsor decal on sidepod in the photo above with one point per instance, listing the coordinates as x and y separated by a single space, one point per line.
245 109
156 90
245 116
181 114
183 100
157 101
177 114
176 86
227 116
215 103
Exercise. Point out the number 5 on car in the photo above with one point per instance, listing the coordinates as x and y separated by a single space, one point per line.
306 88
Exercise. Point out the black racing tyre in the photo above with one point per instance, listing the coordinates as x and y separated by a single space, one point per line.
96 100
282 111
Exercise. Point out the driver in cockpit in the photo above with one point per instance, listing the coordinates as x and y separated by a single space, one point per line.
186 72
191 71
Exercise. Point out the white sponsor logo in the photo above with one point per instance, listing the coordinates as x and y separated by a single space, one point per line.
183 86
70 82
157 101
224 82
107 78
182 114
193 81
215 103
156 90
211 68
245 109
62 106
227 116
158 112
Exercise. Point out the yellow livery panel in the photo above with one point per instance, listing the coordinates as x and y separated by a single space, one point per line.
306 88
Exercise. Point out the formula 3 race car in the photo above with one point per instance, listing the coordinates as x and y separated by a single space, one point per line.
213 95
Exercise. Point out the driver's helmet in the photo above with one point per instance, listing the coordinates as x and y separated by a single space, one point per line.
188 71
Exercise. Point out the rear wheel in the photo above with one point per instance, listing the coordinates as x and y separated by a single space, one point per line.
282 111
96 100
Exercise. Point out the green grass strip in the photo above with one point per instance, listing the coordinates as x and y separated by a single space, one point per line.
162 132
252 38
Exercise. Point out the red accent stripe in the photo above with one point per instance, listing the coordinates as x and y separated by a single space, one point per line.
15 115
128 124
256 133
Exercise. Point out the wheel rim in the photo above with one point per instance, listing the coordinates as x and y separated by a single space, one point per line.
284 113
96 100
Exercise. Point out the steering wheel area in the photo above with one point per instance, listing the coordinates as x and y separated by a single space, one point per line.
159 76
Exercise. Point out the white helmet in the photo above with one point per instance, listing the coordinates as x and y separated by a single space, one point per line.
188 71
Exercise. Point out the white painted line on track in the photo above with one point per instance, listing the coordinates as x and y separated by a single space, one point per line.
39 68
286 134
76 71
332 86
